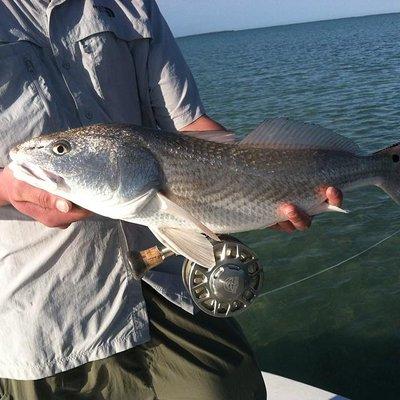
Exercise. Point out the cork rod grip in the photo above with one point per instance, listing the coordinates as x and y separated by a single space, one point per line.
147 259
152 257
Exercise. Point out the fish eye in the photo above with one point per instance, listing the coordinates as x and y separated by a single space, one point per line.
395 158
61 147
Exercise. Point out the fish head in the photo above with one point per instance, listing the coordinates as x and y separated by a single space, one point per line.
86 168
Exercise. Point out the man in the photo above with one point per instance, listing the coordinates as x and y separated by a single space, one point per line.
73 322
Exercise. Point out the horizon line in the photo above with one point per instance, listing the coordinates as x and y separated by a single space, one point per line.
291 23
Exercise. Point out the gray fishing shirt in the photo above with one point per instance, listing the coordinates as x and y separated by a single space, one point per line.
68 296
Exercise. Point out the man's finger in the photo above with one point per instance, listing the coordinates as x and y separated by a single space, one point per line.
51 217
42 198
48 217
284 226
77 213
334 196
63 226
296 216
63 205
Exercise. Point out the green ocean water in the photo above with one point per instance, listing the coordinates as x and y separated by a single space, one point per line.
340 330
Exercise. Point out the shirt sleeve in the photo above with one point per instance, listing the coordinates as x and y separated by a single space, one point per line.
174 96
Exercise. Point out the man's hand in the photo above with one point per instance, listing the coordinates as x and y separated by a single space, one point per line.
298 219
50 210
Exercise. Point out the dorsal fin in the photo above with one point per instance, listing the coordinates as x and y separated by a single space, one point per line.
283 133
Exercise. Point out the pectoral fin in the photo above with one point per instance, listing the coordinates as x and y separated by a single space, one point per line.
190 244
187 240
169 207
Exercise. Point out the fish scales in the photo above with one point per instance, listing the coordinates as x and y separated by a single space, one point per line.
182 186
233 189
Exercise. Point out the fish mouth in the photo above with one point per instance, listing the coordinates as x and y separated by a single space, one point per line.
37 176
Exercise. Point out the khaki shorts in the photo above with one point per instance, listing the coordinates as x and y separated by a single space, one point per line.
190 357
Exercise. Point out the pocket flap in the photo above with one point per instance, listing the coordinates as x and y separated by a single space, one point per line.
128 23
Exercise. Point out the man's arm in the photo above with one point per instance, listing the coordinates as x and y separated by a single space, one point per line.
297 219
38 204
204 123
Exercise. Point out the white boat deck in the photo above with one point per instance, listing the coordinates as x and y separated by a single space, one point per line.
280 388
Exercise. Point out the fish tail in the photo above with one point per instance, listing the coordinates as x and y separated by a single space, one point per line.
391 183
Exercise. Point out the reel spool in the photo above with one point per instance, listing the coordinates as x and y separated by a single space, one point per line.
228 288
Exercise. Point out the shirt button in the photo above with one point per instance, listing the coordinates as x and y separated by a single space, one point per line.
88 115
66 65
29 65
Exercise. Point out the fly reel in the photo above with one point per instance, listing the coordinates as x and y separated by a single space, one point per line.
224 290
229 287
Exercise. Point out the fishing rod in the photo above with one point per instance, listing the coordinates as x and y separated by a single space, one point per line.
236 280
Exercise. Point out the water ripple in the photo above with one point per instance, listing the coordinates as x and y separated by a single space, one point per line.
344 75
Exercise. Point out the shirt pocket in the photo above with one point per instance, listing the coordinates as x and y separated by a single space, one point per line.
103 49
24 111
